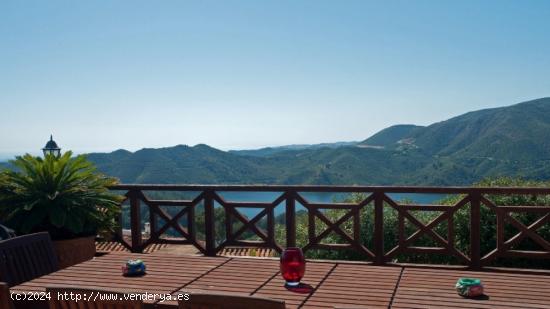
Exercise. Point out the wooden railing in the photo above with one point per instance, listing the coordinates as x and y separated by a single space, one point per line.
470 199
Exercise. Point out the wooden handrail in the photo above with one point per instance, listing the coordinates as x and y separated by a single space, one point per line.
333 188
377 196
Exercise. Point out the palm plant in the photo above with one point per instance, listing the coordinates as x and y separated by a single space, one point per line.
65 196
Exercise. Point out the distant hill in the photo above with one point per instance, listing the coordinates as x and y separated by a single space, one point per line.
513 140
391 136
269 151
207 165
179 164
516 133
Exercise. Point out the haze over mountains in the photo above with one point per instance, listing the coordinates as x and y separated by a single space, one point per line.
513 141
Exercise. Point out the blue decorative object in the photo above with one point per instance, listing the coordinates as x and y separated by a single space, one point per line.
134 268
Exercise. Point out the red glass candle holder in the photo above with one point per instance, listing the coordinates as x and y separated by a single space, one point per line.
293 266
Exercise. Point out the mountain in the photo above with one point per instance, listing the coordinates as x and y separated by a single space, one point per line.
179 164
269 151
516 133
506 141
391 137
207 165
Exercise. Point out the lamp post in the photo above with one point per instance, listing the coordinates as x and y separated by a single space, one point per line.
51 148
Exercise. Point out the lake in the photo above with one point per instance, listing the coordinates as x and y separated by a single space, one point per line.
268 197
313 197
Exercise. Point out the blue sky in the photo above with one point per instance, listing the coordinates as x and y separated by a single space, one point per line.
103 75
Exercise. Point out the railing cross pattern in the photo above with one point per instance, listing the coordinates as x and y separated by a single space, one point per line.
475 197
426 229
524 231
170 221
248 223
354 211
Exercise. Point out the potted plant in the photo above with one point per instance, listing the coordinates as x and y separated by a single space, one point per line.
64 196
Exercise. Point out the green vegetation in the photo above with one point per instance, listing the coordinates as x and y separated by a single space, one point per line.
460 223
64 196
389 137
517 133
269 151
488 144
461 227
460 220
509 141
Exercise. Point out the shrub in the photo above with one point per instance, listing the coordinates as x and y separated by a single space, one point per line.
64 196
461 225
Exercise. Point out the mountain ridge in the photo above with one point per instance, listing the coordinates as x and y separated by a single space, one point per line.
267 151
391 136
504 141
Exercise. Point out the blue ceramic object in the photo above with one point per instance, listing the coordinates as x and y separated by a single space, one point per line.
134 268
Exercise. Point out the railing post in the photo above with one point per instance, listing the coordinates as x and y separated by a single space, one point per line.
119 233
475 230
152 222
500 230
135 221
290 220
191 223
378 237
209 223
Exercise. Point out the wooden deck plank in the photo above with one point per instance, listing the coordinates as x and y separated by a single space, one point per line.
238 276
356 285
243 276
326 284
165 274
294 298
430 288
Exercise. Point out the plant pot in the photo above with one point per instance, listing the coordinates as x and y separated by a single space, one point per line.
73 251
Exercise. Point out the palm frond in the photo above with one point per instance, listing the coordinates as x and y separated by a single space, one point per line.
65 196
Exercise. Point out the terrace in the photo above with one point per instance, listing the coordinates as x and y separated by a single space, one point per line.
209 224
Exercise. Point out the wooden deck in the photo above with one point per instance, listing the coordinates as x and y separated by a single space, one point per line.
327 284
422 288
105 247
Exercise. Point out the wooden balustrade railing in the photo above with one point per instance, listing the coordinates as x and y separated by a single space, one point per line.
208 197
